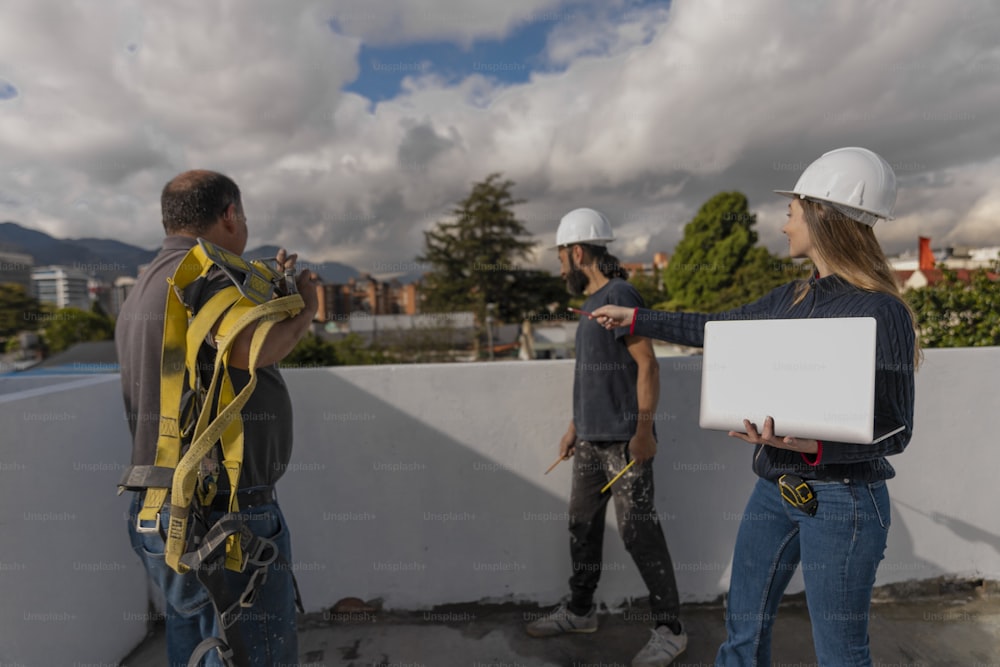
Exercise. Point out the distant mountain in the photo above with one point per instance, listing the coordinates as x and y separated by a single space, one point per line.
127 255
331 272
103 258
107 258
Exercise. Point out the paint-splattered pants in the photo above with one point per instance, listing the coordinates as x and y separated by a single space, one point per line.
594 465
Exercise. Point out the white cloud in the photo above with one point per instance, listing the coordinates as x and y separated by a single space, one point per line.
583 35
390 22
979 224
652 113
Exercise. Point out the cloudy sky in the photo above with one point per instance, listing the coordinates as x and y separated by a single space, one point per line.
354 125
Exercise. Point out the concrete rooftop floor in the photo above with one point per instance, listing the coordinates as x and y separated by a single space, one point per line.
956 626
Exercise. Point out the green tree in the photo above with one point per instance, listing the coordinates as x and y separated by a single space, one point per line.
717 265
19 311
97 309
425 344
68 326
351 351
475 259
951 313
312 351
649 286
534 292
759 273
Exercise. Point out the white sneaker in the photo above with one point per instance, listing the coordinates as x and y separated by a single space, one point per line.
661 649
562 620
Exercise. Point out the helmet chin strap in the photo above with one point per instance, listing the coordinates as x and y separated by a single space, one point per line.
856 214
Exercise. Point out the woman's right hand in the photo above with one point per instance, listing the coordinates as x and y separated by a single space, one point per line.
611 317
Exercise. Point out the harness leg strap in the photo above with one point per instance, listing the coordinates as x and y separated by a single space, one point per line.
208 564
206 645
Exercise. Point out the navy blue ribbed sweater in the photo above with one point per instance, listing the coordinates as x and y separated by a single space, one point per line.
830 296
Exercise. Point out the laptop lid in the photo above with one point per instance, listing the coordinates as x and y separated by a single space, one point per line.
816 377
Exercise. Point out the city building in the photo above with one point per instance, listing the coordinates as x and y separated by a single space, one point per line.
926 267
369 296
15 267
62 286
660 261
102 293
119 292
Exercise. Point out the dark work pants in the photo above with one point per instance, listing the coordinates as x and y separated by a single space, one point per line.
594 465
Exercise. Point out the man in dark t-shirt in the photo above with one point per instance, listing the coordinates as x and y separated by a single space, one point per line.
208 205
615 392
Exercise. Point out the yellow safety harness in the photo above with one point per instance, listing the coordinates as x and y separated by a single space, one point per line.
186 410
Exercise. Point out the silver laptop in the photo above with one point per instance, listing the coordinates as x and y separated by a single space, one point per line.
816 377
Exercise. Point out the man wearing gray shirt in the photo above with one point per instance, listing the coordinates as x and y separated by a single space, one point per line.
615 393
208 205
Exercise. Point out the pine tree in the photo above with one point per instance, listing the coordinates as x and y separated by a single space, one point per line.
475 259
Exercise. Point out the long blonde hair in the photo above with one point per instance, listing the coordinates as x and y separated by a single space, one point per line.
850 250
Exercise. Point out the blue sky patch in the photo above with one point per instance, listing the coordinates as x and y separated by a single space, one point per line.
7 90
511 60
382 69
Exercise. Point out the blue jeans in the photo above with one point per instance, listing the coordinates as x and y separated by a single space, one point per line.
839 550
268 627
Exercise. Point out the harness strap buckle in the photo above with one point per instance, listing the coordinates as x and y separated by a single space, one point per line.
255 280
140 528
260 552
257 579
247 598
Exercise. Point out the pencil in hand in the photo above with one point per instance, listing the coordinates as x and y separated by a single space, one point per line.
554 464
624 470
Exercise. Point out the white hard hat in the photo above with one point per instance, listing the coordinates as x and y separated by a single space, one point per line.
584 225
856 181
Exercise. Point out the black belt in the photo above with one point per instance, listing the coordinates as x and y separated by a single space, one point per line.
246 499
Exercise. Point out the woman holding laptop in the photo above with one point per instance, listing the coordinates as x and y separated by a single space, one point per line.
822 504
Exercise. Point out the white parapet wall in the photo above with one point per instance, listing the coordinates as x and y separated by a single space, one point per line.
71 589
423 485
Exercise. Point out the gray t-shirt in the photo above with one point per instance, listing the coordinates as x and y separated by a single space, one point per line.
605 403
267 416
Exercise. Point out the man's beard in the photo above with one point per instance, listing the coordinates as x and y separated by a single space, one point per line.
576 279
